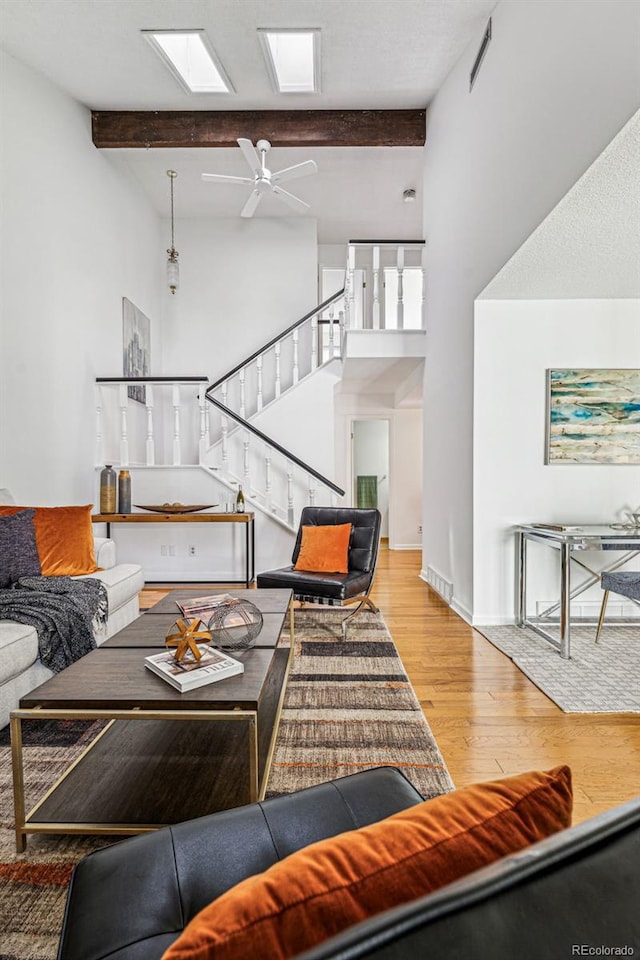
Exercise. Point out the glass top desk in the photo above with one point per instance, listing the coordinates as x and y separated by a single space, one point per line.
570 541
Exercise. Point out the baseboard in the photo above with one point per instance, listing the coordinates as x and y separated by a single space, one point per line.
193 576
462 611
482 620
405 546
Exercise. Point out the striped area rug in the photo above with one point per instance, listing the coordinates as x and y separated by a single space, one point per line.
348 706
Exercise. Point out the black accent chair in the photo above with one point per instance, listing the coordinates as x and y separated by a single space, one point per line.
131 900
342 588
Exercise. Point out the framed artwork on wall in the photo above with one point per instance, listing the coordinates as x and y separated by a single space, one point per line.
593 416
136 344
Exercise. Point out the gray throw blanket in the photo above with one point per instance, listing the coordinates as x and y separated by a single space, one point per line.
62 610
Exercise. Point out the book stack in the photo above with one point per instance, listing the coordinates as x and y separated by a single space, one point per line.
189 673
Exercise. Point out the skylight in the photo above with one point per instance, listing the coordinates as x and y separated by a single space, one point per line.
191 59
293 59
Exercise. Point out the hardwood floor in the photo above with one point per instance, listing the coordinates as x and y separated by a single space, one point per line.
488 718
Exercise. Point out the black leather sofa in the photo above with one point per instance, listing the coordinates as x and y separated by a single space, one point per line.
576 892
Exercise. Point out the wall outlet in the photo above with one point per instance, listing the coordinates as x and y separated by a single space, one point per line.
163 550
172 550
191 551
419 528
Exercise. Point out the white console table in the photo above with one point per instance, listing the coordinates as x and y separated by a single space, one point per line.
572 542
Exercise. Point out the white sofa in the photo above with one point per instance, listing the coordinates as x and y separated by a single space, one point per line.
20 667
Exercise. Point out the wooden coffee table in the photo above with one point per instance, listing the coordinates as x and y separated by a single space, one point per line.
164 756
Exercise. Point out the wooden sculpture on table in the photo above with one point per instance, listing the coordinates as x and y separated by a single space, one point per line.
185 635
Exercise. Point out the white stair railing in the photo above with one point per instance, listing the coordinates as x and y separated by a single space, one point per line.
137 435
393 262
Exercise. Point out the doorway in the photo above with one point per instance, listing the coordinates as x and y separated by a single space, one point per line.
370 467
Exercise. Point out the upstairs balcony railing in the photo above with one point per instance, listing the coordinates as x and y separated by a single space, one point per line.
385 285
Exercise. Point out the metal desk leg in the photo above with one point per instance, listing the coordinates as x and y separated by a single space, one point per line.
253 549
246 554
18 783
565 601
521 578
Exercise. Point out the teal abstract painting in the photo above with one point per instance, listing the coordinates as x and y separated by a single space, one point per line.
594 416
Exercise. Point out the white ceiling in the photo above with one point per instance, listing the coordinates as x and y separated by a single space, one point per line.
376 54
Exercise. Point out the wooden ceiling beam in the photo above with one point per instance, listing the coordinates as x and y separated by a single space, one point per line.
283 128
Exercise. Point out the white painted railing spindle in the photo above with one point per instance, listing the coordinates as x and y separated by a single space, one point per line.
400 264
203 440
243 405
245 459
314 341
259 383
296 371
150 449
267 477
350 300
124 426
290 493
99 437
176 425
312 491
277 383
375 308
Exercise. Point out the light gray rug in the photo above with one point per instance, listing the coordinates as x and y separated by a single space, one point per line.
599 678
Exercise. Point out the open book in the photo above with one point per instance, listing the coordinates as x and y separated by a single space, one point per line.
203 607
190 673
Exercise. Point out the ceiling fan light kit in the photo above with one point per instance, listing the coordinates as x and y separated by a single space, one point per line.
173 268
263 180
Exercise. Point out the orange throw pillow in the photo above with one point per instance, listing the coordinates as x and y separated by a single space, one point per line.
320 890
325 549
64 539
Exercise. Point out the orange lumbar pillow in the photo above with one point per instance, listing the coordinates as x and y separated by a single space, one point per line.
64 539
328 886
325 549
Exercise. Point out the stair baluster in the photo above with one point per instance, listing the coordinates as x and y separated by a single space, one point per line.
150 449
259 383
124 426
176 425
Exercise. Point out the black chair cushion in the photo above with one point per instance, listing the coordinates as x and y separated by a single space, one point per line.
334 586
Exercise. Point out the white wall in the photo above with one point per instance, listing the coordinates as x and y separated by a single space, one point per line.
76 237
559 80
516 342
242 282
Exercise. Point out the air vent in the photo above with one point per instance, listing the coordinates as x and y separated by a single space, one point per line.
477 63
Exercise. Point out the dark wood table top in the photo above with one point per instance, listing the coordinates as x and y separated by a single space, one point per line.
266 600
118 679
149 631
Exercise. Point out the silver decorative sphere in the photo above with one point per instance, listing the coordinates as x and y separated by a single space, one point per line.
235 626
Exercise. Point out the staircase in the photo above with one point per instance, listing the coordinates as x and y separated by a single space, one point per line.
187 422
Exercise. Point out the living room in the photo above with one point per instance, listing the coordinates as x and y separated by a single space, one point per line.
526 200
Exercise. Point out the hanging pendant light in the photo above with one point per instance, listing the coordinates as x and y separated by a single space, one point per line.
173 269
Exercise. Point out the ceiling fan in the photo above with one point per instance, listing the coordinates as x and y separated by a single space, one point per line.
263 180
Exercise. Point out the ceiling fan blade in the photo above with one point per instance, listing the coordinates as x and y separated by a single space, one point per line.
250 155
250 206
292 173
289 198
223 178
